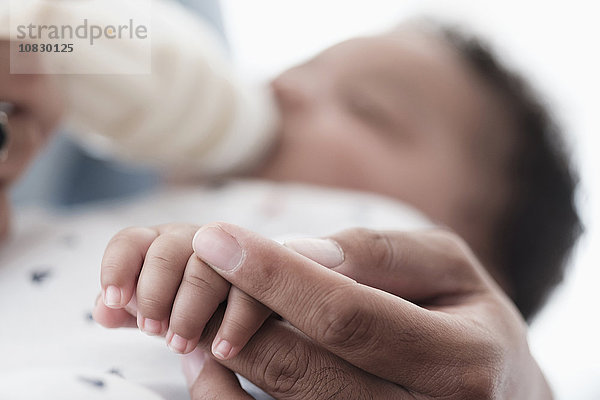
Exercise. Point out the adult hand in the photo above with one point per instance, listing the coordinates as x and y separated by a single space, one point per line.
36 108
430 324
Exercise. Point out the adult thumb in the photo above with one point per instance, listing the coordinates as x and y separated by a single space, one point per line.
417 266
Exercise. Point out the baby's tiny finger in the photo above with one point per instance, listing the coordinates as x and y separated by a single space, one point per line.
243 317
199 295
160 278
112 318
121 264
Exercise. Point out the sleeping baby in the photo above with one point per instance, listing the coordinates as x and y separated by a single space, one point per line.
421 114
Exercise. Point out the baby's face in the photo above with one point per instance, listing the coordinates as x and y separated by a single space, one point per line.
397 114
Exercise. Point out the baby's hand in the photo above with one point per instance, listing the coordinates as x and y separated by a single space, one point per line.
153 274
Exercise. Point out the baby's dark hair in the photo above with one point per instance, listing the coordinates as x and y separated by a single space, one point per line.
539 227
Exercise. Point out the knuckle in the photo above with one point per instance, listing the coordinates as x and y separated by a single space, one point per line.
161 260
179 228
451 243
479 374
202 279
178 239
186 325
128 238
116 274
127 234
377 247
344 324
333 382
286 370
369 247
457 255
180 234
200 284
111 268
357 232
163 264
300 372
151 306
124 238
269 282
479 384
248 302
366 237
165 254
236 329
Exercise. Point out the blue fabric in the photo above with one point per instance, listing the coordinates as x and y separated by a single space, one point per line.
64 174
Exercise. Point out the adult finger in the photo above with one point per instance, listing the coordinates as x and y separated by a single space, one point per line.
207 379
122 263
290 366
421 266
161 275
360 324
376 331
243 317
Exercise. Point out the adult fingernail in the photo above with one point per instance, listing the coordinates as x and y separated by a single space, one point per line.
192 365
112 297
217 248
222 349
324 251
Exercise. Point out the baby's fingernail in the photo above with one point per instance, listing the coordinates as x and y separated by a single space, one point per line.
192 365
150 326
217 248
112 297
178 344
221 349
324 251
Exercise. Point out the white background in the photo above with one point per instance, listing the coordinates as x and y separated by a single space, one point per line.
556 45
